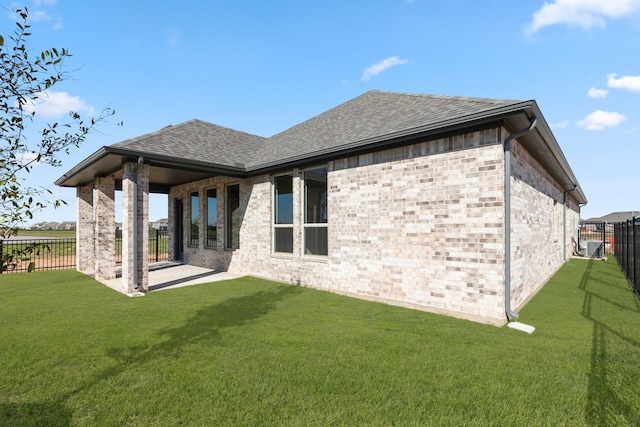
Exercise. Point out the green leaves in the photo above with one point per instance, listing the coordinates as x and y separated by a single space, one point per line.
24 75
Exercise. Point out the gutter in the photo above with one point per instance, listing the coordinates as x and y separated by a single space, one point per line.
564 221
507 216
426 130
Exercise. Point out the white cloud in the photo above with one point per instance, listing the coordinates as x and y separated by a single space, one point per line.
39 3
381 66
173 36
561 125
52 104
581 13
631 83
28 158
39 16
597 93
598 120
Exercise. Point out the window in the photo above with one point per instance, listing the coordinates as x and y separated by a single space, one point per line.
283 214
194 227
315 212
233 217
212 218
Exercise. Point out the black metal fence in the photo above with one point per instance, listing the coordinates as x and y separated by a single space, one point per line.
627 247
22 255
158 246
596 239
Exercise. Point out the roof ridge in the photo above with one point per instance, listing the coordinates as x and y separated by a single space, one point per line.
450 97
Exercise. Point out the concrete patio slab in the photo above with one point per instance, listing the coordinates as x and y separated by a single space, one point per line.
171 275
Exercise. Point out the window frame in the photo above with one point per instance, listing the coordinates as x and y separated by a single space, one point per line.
309 225
194 240
274 215
214 243
228 221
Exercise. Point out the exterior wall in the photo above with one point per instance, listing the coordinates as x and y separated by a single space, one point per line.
85 233
537 248
418 226
135 273
423 225
105 229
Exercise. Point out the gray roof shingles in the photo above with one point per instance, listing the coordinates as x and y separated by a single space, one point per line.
374 114
367 117
198 140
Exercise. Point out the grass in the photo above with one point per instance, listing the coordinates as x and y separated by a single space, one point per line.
59 234
254 352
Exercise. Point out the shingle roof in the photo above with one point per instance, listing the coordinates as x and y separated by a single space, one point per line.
198 140
375 120
616 217
372 115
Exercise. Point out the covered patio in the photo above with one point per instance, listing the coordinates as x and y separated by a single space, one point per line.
171 275
151 163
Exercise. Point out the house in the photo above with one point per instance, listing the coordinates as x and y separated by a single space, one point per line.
161 224
66 225
455 205
614 217
39 225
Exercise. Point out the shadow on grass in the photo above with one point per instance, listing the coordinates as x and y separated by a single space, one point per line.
612 393
205 325
35 414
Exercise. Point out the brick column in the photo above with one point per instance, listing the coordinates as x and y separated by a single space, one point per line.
143 228
135 174
85 258
105 229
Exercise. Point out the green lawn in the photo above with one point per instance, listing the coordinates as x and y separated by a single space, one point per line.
253 352
66 234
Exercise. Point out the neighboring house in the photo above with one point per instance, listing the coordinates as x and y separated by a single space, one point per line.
161 224
39 225
51 225
66 225
391 197
614 217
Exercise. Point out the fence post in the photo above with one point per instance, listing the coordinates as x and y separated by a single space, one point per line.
635 243
157 239
1 254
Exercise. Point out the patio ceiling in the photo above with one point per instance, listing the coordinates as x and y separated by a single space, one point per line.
164 171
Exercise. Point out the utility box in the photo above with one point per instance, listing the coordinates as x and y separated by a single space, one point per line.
594 249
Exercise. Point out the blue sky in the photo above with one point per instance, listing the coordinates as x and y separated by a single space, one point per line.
262 67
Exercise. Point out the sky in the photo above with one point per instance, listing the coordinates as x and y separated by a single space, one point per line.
264 66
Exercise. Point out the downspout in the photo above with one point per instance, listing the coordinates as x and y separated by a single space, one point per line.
507 216
564 222
135 222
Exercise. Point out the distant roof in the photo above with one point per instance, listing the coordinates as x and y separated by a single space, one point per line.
373 121
616 217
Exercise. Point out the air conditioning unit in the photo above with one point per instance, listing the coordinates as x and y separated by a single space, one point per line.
594 249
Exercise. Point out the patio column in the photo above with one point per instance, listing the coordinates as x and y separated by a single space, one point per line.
85 255
105 223
135 227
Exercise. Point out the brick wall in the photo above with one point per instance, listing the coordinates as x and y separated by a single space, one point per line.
135 173
418 226
85 249
537 226
105 228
